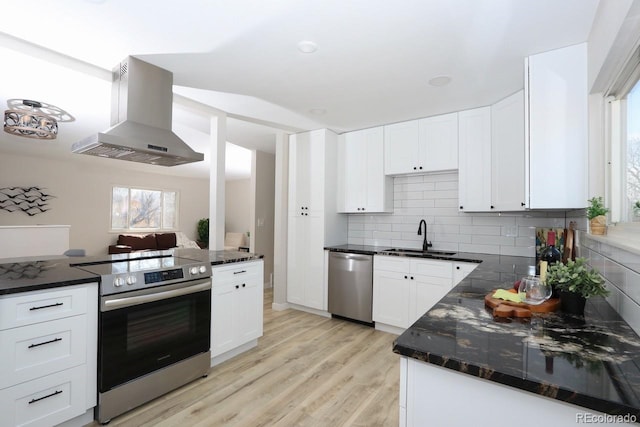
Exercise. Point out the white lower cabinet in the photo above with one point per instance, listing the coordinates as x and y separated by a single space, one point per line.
462 270
405 288
48 355
236 305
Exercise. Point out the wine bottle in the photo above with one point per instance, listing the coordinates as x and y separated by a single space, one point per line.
550 253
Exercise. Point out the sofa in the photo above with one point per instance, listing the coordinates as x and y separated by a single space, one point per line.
151 242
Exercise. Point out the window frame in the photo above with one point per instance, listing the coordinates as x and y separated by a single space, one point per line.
616 122
128 229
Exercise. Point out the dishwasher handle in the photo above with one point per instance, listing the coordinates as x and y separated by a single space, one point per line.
349 256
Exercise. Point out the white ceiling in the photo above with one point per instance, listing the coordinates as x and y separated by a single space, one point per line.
372 65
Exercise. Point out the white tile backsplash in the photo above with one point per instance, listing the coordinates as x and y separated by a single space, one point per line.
619 268
434 198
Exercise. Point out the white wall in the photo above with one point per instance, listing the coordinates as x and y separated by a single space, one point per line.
237 205
83 195
264 193
434 198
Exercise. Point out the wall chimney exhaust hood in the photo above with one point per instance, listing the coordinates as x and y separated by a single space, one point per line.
141 110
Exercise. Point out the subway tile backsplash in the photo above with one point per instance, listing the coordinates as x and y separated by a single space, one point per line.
621 271
434 198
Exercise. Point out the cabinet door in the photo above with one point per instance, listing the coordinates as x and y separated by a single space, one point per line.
427 291
558 128
249 308
508 168
391 298
462 270
297 258
352 172
402 148
313 275
474 138
439 139
379 187
223 334
299 177
314 171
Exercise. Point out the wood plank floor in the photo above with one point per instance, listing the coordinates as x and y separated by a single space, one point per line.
307 370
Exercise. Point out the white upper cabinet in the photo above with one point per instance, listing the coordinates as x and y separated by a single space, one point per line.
440 136
362 184
556 94
508 169
418 146
474 177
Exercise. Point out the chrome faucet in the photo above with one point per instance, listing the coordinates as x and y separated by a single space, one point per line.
425 245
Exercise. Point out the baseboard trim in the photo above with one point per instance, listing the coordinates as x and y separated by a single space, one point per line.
310 310
216 360
389 329
280 307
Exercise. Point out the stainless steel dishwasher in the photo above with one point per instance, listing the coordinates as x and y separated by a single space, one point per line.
351 286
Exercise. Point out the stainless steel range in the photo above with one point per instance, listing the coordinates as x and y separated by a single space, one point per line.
154 328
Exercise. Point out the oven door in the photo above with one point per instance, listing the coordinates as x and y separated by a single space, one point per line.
143 331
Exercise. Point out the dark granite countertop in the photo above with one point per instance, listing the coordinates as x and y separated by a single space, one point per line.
591 361
217 257
384 250
38 273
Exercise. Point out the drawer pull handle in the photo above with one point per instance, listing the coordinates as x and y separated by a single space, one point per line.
46 306
44 397
244 285
46 342
239 272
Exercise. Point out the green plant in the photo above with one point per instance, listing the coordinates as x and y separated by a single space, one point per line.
596 208
203 230
636 207
577 277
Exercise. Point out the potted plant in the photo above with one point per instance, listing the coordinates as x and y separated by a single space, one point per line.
596 214
203 233
576 282
636 209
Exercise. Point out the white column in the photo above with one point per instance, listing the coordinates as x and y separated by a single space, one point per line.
217 181
280 222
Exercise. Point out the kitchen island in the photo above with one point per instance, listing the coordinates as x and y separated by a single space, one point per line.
554 368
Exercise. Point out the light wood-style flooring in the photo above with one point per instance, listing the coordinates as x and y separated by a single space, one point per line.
307 370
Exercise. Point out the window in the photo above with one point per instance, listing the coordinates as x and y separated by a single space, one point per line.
631 163
137 209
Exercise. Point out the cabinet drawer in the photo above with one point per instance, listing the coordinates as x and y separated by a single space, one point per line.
432 268
237 271
42 306
46 401
36 350
391 263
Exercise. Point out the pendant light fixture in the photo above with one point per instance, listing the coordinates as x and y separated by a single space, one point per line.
30 119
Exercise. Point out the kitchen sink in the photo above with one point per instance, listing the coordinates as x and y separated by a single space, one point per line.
418 252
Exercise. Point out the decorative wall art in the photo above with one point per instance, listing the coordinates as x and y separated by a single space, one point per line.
30 200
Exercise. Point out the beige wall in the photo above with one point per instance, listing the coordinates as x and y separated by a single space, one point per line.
237 205
263 180
83 195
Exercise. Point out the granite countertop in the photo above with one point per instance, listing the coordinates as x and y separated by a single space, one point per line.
385 250
591 361
38 273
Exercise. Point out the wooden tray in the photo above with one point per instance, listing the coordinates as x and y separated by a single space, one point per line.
502 308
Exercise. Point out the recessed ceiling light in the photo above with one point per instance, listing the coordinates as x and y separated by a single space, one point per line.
318 111
307 46
440 81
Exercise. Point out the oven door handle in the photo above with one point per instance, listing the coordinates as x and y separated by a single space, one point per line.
116 303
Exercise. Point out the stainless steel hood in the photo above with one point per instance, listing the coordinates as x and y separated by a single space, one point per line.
141 110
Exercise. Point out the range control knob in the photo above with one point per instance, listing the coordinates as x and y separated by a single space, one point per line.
118 281
131 280
193 270
203 269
